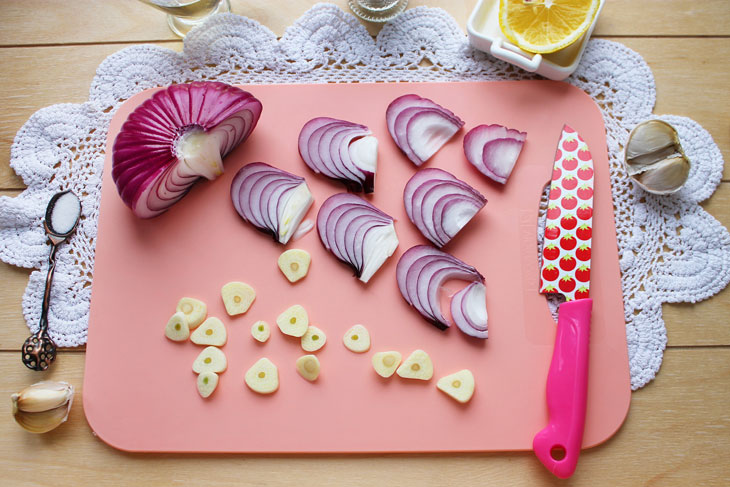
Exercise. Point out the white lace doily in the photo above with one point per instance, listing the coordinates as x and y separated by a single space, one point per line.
671 250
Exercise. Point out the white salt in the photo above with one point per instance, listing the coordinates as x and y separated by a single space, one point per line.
65 213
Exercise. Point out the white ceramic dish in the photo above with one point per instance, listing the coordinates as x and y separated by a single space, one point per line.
486 35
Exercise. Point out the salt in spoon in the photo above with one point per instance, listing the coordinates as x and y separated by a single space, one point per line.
62 217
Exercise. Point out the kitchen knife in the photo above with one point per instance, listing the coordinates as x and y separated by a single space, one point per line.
565 268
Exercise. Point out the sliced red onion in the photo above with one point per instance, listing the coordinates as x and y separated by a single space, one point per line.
493 150
421 271
340 150
272 200
357 233
420 127
469 310
176 137
440 204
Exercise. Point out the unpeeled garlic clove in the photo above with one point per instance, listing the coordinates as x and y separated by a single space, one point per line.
654 157
43 406
665 176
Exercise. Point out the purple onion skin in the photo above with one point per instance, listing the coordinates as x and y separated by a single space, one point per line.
401 110
412 257
341 201
273 175
144 150
480 138
309 150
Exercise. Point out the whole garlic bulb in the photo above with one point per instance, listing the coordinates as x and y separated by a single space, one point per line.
654 158
43 406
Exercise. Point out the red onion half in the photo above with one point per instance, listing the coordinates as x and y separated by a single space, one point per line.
440 204
272 200
420 127
493 150
176 137
357 233
341 150
421 272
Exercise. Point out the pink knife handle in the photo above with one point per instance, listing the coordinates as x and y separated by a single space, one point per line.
567 387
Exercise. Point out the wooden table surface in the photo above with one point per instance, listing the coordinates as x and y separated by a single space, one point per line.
678 429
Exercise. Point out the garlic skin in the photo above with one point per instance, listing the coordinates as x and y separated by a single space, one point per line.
654 158
43 406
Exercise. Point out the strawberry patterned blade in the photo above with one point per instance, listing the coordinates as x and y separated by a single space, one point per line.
565 263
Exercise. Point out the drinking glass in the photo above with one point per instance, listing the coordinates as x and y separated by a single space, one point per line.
377 10
183 15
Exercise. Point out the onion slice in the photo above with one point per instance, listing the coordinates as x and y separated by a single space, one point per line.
420 127
420 273
176 137
440 205
357 233
469 310
272 200
341 150
494 150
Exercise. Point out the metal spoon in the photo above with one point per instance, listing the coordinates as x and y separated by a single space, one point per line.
62 217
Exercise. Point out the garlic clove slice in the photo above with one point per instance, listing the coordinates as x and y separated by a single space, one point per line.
211 332
308 367
194 310
261 331
211 359
262 377
207 382
177 328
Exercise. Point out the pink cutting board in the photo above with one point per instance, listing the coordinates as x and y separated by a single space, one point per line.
139 389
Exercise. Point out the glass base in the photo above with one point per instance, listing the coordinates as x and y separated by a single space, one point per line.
375 13
181 26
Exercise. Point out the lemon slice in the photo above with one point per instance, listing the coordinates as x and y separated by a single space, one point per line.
545 26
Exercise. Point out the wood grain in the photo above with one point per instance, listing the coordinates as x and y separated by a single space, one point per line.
683 412
36 77
678 430
29 22
692 77
700 324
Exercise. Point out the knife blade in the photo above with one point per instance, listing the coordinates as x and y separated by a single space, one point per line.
565 265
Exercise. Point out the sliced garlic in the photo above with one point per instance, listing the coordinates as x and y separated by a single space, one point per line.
459 385
313 339
237 297
654 157
263 377
177 328
207 382
194 309
294 321
308 367
43 406
211 359
418 365
294 264
385 363
261 331
357 339
211 332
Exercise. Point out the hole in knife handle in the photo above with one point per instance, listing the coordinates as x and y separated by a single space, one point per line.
557 453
